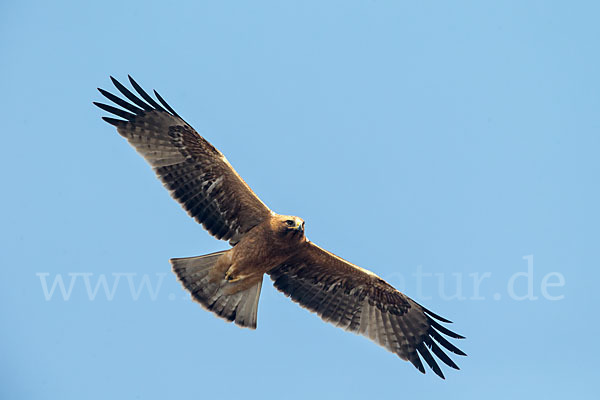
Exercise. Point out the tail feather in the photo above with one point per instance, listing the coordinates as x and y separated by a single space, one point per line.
194 274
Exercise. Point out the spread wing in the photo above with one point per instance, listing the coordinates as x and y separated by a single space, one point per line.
359 301
196 174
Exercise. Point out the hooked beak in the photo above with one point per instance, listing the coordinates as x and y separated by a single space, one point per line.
299 226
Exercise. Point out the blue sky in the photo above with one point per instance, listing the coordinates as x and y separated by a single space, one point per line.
450 148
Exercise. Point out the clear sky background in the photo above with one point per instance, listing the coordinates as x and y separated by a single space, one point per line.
435 143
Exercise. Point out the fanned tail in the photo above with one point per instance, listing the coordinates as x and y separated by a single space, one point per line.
194 273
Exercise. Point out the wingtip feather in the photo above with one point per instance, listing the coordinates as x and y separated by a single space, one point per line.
424 352
145 95
114 121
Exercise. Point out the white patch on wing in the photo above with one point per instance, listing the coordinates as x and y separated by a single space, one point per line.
214 184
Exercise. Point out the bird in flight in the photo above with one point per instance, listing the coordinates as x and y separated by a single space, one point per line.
229 282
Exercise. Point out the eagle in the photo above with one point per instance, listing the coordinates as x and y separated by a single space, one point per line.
228 283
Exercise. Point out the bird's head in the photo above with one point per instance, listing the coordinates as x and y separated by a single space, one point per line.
289 225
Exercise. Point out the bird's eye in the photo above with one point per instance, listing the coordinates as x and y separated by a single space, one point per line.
289 222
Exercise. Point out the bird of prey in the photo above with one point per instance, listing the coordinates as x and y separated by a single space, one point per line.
228 283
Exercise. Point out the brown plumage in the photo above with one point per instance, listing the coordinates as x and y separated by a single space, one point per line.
229 282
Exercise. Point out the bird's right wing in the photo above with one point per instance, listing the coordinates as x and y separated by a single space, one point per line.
197 175
359 301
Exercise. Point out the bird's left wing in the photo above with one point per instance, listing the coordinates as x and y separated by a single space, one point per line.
357 300
198 176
